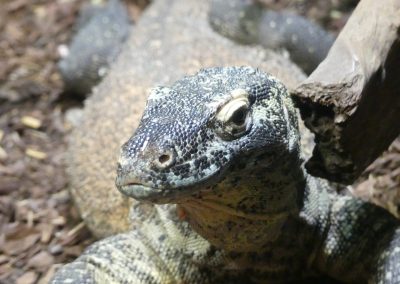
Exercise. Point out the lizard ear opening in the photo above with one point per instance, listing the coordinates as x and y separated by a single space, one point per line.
233 119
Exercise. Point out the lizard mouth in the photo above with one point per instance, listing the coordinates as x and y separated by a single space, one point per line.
142 192
139 191
130 183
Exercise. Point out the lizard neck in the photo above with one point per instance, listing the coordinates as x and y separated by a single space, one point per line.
248 209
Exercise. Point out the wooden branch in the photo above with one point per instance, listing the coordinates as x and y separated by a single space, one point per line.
352 100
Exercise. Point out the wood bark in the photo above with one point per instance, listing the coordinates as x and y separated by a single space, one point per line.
352 100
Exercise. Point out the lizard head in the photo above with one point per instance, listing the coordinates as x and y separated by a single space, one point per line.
204 128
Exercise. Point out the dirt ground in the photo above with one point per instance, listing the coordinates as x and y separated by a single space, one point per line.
39 226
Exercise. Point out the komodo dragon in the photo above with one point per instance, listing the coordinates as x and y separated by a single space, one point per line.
224 146
148 254
170 40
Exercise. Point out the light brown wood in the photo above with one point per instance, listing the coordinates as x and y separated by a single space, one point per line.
352 100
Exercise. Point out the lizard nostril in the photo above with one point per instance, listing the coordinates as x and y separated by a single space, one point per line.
164 158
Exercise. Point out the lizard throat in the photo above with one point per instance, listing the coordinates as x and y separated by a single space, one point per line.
248 215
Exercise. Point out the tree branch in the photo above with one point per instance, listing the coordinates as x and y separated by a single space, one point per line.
352 100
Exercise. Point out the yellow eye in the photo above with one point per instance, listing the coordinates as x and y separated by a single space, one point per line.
232 118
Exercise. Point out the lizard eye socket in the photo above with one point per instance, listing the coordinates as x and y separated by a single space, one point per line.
232 120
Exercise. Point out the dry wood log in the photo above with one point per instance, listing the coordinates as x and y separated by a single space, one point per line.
352 100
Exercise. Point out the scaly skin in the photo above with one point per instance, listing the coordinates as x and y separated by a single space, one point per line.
224 146
247 22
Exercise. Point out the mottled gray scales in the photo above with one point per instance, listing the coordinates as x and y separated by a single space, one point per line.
248 22
252 214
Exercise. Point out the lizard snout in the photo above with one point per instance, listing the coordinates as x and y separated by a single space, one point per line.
131 184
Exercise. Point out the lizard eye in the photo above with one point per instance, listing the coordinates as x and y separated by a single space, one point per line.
232 120
239 116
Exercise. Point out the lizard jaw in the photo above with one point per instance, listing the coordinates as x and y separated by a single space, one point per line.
138 191
156 195
131 187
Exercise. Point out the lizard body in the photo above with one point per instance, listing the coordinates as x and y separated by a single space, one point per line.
224 146
248 22
103 29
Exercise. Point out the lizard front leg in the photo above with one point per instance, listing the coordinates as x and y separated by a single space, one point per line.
388 264
159 250
362 243
124 258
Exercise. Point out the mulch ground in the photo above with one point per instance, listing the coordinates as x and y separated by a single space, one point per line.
39 226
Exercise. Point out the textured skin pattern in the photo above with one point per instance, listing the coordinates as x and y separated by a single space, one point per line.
256 217
247 22
101 31
162 50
